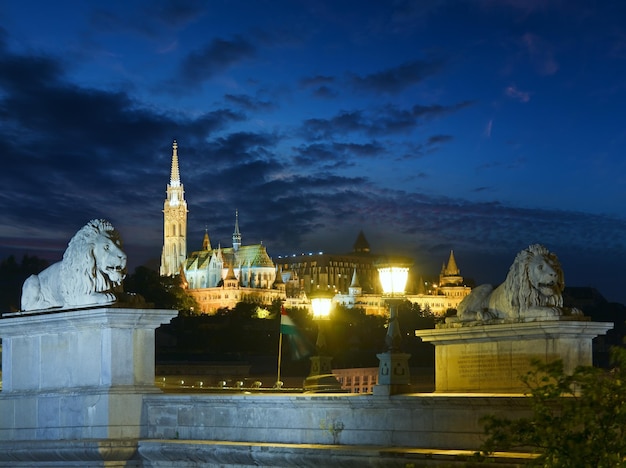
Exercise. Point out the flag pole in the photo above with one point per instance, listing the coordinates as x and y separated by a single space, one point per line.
280 354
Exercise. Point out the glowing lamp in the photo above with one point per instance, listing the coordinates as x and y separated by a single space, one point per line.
393 369
393 279
321 307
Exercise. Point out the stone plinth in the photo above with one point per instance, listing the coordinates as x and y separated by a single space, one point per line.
491 358
393 374
77 374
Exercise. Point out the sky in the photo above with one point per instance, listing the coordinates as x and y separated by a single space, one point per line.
479 126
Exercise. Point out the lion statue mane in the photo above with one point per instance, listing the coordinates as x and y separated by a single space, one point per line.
93 266
532 290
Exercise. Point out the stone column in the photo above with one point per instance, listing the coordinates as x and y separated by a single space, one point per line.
78 374
394 376
491 358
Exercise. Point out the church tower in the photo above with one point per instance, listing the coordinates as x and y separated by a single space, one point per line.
174 222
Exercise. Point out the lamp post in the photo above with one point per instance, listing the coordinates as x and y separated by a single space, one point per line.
321 378
393 369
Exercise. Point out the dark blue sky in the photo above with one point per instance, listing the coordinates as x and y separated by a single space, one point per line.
481 126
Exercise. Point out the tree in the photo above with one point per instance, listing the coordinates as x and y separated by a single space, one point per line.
163 292
578 420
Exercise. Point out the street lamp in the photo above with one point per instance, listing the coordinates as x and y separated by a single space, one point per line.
393 369
321 378
321 312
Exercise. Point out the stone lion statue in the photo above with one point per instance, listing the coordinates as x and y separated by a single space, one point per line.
93 266
531 291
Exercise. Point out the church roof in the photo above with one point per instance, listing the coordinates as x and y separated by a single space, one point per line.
254 255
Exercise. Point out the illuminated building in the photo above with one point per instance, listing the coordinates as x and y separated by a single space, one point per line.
437 298
222 277
216 278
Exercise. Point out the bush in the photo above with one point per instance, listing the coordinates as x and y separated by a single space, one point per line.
578 420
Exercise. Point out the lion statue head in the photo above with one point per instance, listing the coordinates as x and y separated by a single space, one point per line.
93 266
535 279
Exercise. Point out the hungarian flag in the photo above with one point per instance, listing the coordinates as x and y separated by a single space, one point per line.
287 327
299 346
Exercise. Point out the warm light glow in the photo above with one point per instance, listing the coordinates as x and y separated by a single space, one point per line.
393 279
321 307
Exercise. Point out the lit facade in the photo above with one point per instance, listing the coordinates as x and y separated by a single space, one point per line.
437 298
357 380
222 277
308 273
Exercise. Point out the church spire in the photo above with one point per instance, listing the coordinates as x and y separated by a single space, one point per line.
452 269
355 288
175 173
236 234
206 243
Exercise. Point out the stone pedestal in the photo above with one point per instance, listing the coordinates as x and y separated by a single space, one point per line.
491 358
394 376
321 378
321 365
77 374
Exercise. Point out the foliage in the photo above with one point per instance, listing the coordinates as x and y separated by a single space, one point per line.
12 277
578 420
163 292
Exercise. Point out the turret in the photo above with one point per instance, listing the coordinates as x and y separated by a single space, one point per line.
236 234
361 246
206 243
355 288
450 273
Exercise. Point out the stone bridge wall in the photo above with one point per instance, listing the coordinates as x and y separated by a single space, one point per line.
424 420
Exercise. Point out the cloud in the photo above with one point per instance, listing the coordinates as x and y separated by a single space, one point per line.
320 86
316 81
249 103
214 58
336 155
175 12
397 79
515 93
437 139
87 152
147 20
385 120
